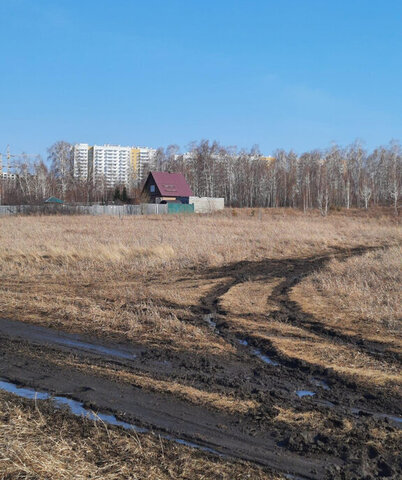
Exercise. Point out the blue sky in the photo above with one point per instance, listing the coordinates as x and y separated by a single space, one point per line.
285 73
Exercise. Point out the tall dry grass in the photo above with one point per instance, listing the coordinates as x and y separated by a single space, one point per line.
154 243
360 296
103 274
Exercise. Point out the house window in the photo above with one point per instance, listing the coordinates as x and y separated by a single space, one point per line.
152 188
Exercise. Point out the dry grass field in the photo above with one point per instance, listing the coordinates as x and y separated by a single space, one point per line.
138 277
360 296
114 276
321 293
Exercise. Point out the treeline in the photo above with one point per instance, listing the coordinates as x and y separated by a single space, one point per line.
336 177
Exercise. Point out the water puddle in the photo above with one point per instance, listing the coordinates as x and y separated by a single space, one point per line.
393 418
304 393
318 382
94 348
258 353
77 408
23 392
44 335
264 357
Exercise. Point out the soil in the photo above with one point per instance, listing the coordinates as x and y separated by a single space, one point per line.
304 452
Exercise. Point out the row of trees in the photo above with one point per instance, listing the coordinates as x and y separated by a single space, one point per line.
335 177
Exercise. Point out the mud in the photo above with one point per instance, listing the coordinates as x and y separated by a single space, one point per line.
256 372
78 409
46 336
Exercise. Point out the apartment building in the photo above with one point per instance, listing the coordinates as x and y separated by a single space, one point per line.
144 161
81 161
112 164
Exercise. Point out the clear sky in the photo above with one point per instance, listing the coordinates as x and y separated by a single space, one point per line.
286 73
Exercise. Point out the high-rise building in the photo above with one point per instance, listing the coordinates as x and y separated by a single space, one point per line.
113 164
110 163
145 161
81 161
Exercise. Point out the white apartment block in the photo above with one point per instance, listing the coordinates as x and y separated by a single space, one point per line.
145 161
81 161
112 164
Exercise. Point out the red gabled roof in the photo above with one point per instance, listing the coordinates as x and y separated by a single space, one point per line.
172 184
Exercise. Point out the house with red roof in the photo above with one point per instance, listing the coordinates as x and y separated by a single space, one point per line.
165 187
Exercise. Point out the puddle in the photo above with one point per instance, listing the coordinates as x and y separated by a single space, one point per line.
208 318
320 383
264 357
23 392
77 408
304 393
393 418
94 348
258 353
44 335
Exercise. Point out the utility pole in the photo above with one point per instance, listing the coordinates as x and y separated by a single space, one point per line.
8 158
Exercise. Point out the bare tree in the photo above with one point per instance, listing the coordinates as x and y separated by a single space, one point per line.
395 174
60 154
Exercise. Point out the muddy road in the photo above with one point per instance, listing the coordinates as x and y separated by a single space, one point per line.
47 360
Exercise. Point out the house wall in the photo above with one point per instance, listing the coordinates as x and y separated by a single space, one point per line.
147 189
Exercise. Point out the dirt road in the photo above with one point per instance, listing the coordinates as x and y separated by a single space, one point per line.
257 372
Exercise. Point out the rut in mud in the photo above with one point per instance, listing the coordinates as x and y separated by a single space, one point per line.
258 372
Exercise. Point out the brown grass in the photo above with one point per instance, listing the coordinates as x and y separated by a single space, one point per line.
347 360
136 278
103 274
312 420
360 296
37 443
249 297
